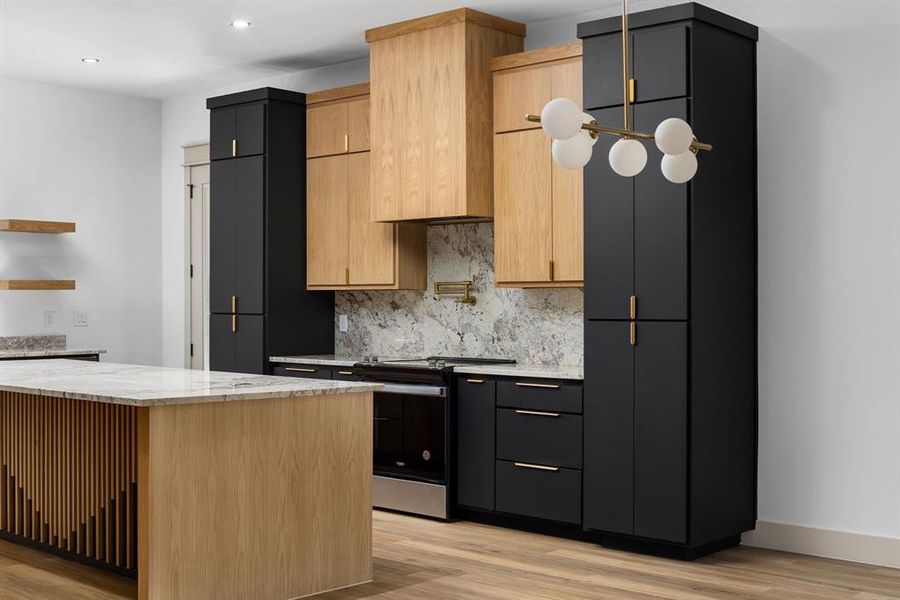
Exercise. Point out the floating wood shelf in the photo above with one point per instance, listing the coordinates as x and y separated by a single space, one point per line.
29 226
37 284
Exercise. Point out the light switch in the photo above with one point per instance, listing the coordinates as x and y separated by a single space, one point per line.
49 318
342 323
81 318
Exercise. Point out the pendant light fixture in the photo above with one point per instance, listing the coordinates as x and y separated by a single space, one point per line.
575 132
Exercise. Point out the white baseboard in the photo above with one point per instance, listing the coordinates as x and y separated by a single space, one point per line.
855 547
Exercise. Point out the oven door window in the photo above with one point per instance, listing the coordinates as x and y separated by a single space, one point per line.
409 437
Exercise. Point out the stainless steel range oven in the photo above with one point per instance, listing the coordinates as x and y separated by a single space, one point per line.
413 433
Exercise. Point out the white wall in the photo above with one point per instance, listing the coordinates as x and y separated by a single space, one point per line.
186 120
92 158
829 237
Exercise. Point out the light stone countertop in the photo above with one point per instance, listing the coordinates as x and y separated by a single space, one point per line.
516 370
137 385
35 352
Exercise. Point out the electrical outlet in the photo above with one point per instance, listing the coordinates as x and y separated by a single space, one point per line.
49 318
80 318
342 323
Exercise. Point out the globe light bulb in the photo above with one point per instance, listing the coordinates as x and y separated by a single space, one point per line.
572 153
627 157
679 168
673 136
561 118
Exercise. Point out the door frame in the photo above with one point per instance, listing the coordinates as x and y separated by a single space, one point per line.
195 155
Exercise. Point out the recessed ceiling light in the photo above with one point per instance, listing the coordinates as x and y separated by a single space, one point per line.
90 59
240 24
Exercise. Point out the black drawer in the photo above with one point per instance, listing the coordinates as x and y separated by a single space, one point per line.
542 493
554 396
546 438
344 373
308 371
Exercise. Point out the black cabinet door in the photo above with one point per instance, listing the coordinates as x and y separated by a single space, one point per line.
608 230
659 63
250 129
221 132
602 71
475 443
660 226
608 427
222 231
221 343
249 250
249 345
660 431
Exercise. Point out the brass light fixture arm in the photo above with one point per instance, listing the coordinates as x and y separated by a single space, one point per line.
596 129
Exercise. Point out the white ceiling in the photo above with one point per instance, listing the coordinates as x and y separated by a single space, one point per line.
169 47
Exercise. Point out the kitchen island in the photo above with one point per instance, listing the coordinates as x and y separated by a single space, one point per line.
200 484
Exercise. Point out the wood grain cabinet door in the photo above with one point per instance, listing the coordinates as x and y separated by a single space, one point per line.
371 245
518 92
326 130
568 189
522 207
327 197
358 125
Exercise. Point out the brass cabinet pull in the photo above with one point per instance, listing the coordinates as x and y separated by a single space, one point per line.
233 323
347 276
346 143
380 419
475 380
549 386
537 413
632 307
300 369
233 147
631 89
632 333
537 467
234 304
345 372
551 270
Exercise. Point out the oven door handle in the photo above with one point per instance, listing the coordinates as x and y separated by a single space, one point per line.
414 390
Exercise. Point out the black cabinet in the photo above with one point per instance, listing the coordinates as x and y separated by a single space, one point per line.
259 304
475 401
670 389
659 66
237 226
237 131
236 343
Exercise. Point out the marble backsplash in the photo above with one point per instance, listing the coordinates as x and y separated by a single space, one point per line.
543 326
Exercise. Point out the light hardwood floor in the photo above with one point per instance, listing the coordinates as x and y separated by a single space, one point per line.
417 558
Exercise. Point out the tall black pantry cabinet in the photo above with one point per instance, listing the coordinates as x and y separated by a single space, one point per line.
257 268
670 391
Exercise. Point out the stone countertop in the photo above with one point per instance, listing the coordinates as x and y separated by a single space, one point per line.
137 385
516 370
49 352
331 360
525 370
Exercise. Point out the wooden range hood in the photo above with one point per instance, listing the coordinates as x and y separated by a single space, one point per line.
431 121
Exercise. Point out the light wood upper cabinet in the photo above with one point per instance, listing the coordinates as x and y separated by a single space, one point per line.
337 121
327 206
539 214
431 114
358 125
345 248
523 207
